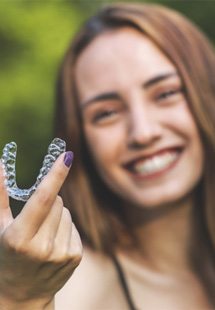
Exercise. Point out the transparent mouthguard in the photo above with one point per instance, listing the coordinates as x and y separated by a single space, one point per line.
8 160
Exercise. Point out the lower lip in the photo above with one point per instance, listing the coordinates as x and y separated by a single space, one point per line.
158 174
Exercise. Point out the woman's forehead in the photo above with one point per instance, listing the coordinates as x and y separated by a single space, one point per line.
120 56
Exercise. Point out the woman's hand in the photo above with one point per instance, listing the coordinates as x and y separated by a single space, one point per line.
40 248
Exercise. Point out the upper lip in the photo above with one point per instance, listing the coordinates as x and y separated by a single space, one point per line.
145 155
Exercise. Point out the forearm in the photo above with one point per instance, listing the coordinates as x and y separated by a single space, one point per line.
6 304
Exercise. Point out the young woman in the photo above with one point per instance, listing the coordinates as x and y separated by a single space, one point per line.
136 95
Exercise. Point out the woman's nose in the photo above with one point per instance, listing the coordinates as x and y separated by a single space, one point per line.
144 128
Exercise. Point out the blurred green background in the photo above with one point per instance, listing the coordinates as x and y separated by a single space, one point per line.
34 35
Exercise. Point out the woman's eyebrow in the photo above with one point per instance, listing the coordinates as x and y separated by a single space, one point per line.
114 95
159 78
100 97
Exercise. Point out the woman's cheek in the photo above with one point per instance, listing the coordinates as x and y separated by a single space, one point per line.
104 143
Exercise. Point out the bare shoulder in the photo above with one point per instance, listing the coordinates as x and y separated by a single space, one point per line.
91 286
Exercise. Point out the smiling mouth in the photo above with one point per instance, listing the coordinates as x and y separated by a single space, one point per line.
154 165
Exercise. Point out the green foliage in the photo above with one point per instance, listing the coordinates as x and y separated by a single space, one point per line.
33 37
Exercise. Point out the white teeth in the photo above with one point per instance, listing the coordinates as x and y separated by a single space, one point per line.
155 164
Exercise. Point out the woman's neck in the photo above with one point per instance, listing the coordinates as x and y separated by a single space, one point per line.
163 236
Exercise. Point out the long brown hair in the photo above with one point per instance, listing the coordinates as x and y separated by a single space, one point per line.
96 210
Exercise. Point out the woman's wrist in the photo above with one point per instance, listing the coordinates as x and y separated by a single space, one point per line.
39 304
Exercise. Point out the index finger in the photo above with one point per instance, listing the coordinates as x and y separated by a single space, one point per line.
40 203
6 216
4 200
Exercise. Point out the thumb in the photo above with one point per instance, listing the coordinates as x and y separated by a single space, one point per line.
6 216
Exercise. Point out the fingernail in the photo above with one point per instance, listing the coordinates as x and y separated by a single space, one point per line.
68 158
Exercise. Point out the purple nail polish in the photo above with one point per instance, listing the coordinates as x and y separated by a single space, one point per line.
68 158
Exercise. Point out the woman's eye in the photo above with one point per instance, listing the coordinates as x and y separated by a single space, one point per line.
168 94
104 115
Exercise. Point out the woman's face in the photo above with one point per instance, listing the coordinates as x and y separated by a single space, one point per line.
137 123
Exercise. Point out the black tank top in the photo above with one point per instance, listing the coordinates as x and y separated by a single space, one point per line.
123 283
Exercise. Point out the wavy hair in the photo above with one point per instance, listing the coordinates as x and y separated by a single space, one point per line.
96 210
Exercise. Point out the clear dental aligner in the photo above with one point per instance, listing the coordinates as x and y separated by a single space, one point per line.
8 160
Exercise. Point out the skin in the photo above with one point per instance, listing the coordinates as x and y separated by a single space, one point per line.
40 248
142 117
